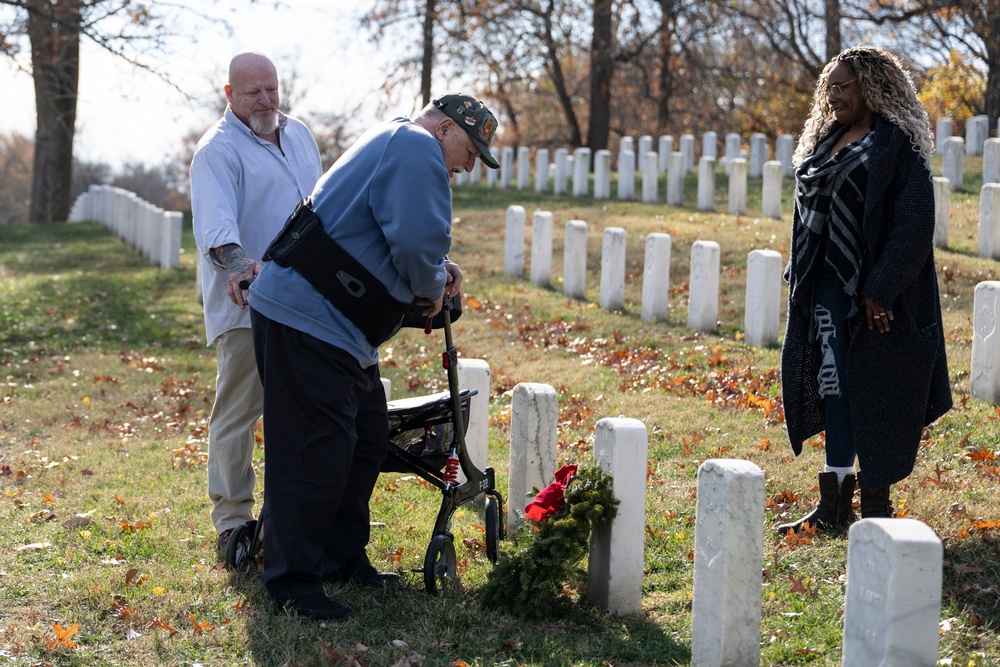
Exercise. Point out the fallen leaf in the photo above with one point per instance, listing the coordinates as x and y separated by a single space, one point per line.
163 625
63 635
77 522
200 627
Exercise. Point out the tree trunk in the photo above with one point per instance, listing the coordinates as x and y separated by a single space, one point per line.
427 62
54 32
993 61
665 75
555 70
833 40
601 71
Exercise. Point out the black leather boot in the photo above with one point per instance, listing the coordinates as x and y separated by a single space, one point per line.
845 502
875 504
834 508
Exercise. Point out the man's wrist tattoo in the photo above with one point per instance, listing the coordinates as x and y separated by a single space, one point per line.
232 258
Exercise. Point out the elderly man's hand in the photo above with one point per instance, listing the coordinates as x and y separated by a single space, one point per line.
431 308
454 284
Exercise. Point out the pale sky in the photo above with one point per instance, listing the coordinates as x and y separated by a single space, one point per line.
124 114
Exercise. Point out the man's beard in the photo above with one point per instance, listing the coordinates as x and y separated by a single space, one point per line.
264 123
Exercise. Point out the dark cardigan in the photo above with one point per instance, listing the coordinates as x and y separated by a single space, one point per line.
899 380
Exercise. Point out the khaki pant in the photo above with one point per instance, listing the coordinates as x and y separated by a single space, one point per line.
238 405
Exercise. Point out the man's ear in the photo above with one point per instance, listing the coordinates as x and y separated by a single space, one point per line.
443 127
229 92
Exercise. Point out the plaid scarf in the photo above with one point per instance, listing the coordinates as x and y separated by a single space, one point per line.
830 198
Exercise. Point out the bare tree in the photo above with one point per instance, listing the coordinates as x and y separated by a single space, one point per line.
54 30
427 61
969 26
602 48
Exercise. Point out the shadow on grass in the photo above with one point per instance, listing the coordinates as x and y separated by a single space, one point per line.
972 588
446 630
80 287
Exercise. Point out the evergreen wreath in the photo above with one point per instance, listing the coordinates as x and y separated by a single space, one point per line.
530 579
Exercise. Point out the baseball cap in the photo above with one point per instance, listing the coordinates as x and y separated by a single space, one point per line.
472 116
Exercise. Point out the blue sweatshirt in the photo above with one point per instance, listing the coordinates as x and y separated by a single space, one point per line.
387 202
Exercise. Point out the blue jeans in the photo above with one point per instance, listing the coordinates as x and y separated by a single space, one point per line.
830 312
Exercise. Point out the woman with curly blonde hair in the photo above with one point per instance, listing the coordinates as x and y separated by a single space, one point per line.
863 357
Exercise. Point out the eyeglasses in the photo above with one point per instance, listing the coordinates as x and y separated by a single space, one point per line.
837 89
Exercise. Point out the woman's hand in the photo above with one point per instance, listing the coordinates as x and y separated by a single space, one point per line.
878 317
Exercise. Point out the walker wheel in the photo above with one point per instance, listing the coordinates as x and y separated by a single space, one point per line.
239 550
440 565
492 529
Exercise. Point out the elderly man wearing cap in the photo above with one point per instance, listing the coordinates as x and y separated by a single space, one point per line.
387 203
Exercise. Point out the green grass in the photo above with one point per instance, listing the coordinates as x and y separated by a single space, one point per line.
108 384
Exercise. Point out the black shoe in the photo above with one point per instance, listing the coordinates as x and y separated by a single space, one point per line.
367 577
374 579
222 543
316 606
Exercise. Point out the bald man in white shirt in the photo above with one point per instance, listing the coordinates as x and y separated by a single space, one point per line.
249 171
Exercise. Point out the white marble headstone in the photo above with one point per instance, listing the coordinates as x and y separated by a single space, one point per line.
534 424
626 175
656 277
581 171
985 376
703 296
602 174
575 259
562 170
954 161
541 248
989 221
506 167
514 241
771 194
728 561
541 170
616 563
738 171
942 132
650 177
893 598
675 179
942 211
706 183
762 312
613 269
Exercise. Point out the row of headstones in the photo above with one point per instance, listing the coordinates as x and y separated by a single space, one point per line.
763 283
153 232
989 216
665 159
763 297
894 565
977 131
954 150
570 172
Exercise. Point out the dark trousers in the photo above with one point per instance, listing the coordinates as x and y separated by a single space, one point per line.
325 436
832 308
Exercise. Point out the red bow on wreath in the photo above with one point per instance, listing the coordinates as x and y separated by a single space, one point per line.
550 499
